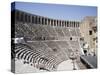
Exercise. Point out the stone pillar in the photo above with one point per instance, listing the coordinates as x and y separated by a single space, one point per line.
41 20
47 22
34 19
54 22
37 19
65 23
72 24
44 21
50 22
69 23
57 22
30 18
76 24
62 23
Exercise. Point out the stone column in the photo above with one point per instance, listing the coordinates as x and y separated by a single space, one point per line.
62 23
76 24
65 23
30 18
44 21
53 22
41 20
34 19
47 21
50 22
72 23
56 22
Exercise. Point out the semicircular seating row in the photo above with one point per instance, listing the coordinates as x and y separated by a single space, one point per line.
30 30
35 58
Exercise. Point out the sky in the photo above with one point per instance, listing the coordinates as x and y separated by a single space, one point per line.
57 11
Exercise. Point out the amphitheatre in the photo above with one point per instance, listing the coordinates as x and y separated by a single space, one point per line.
44 44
